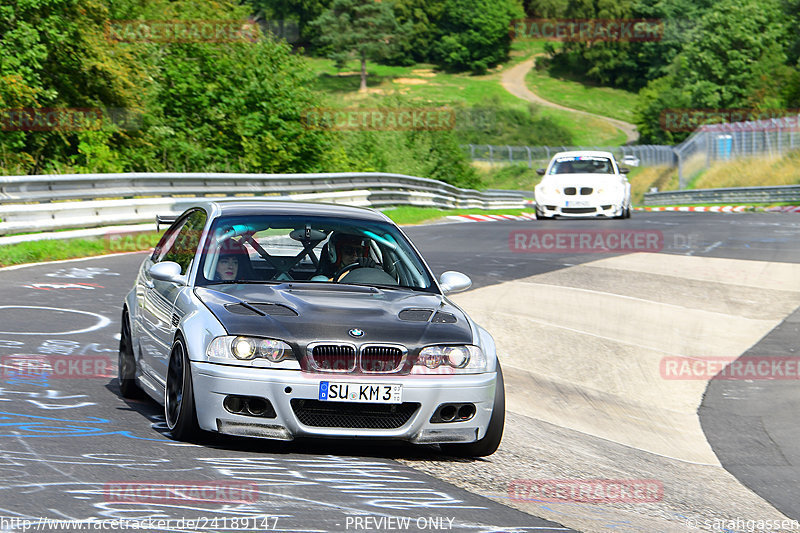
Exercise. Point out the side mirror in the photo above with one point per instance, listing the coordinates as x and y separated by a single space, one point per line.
167 271
541 171
624 170
452 281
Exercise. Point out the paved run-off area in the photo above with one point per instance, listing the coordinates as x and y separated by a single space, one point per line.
582 351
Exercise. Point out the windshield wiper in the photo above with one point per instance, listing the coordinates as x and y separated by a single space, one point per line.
244 282
388 287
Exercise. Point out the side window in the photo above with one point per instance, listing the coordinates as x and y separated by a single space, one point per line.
167 241
183 249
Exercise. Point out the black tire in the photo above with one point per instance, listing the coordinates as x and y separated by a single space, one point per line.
126 362
179 409
494 433
628 212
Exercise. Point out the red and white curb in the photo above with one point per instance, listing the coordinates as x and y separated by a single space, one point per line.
727 208
685 209
491 218
712 208
784 209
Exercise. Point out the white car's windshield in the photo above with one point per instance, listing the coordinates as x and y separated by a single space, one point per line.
263 249
582 165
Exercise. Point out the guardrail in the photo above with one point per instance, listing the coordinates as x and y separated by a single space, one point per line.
539 156
52 202
733 195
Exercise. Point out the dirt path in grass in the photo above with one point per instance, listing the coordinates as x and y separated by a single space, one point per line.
513 80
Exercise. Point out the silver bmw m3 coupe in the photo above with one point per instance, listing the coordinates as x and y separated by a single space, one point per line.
281 320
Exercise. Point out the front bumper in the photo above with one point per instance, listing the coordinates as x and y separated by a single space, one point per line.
214 382
567 208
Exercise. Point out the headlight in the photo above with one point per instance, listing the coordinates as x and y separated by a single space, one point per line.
270 353
460 359
244 348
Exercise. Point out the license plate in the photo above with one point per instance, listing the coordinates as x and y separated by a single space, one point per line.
360 392
577 203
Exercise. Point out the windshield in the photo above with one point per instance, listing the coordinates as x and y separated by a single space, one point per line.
583 164
309 249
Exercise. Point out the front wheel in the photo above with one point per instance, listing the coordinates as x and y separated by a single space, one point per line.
179 396
494 433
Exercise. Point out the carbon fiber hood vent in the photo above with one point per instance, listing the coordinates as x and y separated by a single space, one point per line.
260 309
444 318
415 315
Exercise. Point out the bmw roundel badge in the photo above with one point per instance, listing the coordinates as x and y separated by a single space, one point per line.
355 332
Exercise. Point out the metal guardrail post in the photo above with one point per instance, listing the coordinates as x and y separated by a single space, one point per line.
530 162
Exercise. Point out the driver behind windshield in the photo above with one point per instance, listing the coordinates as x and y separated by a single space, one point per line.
344 250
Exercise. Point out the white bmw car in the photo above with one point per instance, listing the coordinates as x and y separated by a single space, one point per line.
581 184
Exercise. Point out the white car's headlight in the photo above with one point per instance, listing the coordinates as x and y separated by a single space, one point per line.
270 353
458 359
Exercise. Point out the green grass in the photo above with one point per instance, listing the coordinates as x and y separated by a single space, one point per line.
517 177
605 101
55 250
522 50
429 86
416 215
586 131
423 84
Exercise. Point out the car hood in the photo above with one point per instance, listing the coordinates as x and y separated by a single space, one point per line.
595 181
302 313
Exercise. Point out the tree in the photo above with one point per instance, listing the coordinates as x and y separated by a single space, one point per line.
418 20
734 58
738 43
474 34
54 54
304 11
229 107
361 28
545 8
